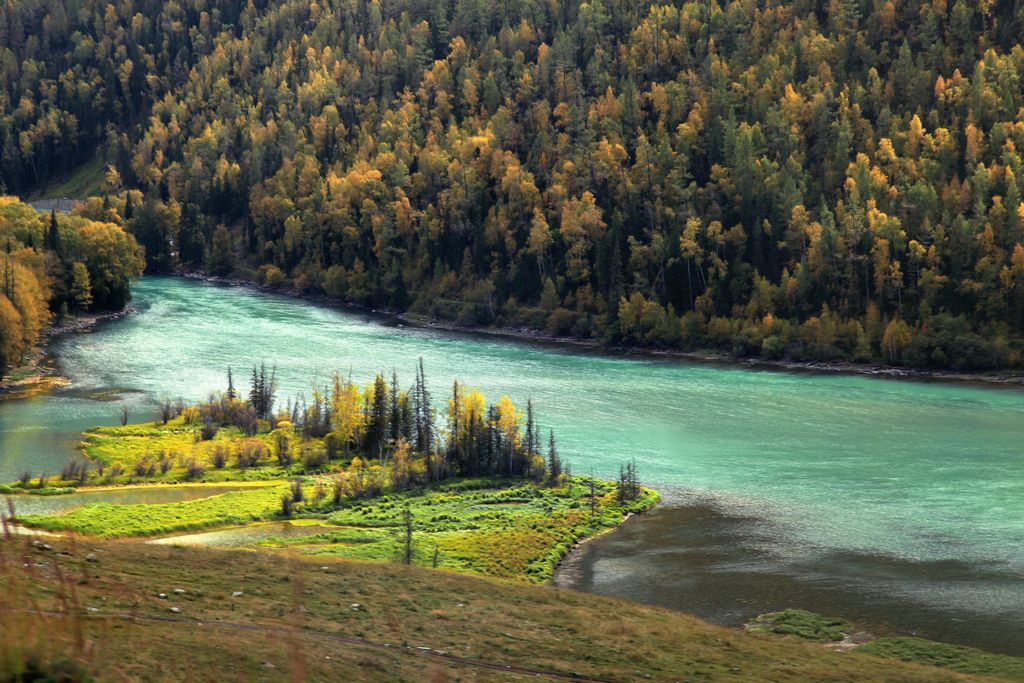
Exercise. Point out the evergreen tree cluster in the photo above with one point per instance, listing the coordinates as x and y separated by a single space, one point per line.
395 428
786 178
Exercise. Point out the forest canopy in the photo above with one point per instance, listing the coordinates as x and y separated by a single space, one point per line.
785 178
54 265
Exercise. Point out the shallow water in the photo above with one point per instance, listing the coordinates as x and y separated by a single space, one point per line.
728 568
842 466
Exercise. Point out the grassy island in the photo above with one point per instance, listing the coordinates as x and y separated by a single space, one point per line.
369 469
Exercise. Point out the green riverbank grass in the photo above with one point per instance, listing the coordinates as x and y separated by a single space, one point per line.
953 657
482 526
513 529
139 451
108 521
802 624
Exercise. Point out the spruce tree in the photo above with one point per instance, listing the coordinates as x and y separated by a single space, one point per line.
554 463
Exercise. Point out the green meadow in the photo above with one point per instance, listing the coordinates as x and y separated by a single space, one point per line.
512 528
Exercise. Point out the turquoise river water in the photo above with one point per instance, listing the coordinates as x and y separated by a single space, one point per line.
911 492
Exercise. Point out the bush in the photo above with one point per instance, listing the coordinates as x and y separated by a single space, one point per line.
76 470
287 505
271 276
313 458
144 467
193 469
208 431
251 454
219 457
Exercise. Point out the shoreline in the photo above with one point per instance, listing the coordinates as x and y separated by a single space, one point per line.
40 370
1002 379
713 565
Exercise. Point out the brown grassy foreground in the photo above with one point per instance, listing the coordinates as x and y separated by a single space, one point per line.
95 608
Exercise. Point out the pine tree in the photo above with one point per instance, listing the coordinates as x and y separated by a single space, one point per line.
377 423
554 463
395 419
232 394
52 241
256 392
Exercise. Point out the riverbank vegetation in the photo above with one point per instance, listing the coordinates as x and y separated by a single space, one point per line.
476 492
786 179
372 438
52 267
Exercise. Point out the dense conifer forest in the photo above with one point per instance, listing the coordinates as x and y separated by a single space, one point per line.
801 179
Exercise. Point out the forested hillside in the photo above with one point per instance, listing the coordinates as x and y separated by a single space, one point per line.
54 266
802 179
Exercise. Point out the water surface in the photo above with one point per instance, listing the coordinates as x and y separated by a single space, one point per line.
844 467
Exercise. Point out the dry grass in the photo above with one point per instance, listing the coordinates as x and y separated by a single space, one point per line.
295 619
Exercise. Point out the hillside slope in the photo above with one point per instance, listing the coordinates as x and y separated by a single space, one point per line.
146 612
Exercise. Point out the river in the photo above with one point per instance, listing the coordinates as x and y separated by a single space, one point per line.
893 501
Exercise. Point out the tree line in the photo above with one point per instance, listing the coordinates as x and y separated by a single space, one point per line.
54 266
389 435
786 178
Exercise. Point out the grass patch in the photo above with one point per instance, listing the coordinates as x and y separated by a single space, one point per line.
84 181
953 657
108 520
802 624
517 529
481 526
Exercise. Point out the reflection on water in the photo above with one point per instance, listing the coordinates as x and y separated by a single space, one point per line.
245 536
717 565
56 505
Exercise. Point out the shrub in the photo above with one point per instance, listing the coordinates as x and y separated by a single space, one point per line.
76 470
287 505
220 457
251 454
313 458
144 467
283 450
208 430
193 469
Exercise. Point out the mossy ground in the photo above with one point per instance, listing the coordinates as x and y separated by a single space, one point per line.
802 624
